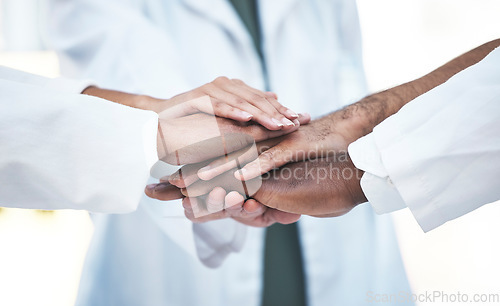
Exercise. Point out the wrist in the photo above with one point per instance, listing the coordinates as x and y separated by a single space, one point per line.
359 119
347 125
353 184
141 101
325 136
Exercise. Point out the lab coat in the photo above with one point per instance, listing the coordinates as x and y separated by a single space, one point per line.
64 150
440 154
313 56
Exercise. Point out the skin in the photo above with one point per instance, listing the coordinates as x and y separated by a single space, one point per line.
231 105
323 138
229 98
334 132
247 212
251 213
198 137
323 187
329 186
224 115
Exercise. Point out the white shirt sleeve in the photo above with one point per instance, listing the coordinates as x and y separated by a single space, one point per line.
66 150
440 154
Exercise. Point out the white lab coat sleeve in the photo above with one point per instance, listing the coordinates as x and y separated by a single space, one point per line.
64 150
375 182
116 43
60 84
440 154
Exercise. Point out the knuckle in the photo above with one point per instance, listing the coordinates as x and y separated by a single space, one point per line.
268 155
229 109
220 80
238 81
218 104
278 115
268 159
258 98
273 157
240 101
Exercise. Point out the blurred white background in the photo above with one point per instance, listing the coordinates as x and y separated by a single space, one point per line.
41 253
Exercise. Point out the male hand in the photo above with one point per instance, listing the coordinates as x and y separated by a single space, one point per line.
323 140
324 187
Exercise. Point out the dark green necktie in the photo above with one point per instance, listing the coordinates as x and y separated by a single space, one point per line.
247 10
283 270
283 279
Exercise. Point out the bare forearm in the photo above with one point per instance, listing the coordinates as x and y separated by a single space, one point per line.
132 100
360 118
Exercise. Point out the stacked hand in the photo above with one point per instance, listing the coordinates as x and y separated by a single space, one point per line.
216 119
311 173
212 121
193 125
228 134
306 170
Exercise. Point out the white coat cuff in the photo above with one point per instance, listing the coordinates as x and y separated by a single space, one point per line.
375 183
150 140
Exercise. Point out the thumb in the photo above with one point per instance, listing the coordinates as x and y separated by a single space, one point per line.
163 192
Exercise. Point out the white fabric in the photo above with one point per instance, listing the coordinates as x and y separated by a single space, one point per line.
440 154
65 150
157 47
375 182
62 85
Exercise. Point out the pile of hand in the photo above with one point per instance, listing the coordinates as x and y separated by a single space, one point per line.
247 157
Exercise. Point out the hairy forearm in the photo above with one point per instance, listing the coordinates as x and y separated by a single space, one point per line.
359 119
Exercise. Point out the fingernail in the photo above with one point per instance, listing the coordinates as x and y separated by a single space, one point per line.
296 121
246 115
291 113
174 177
151 186
287 122
277 122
